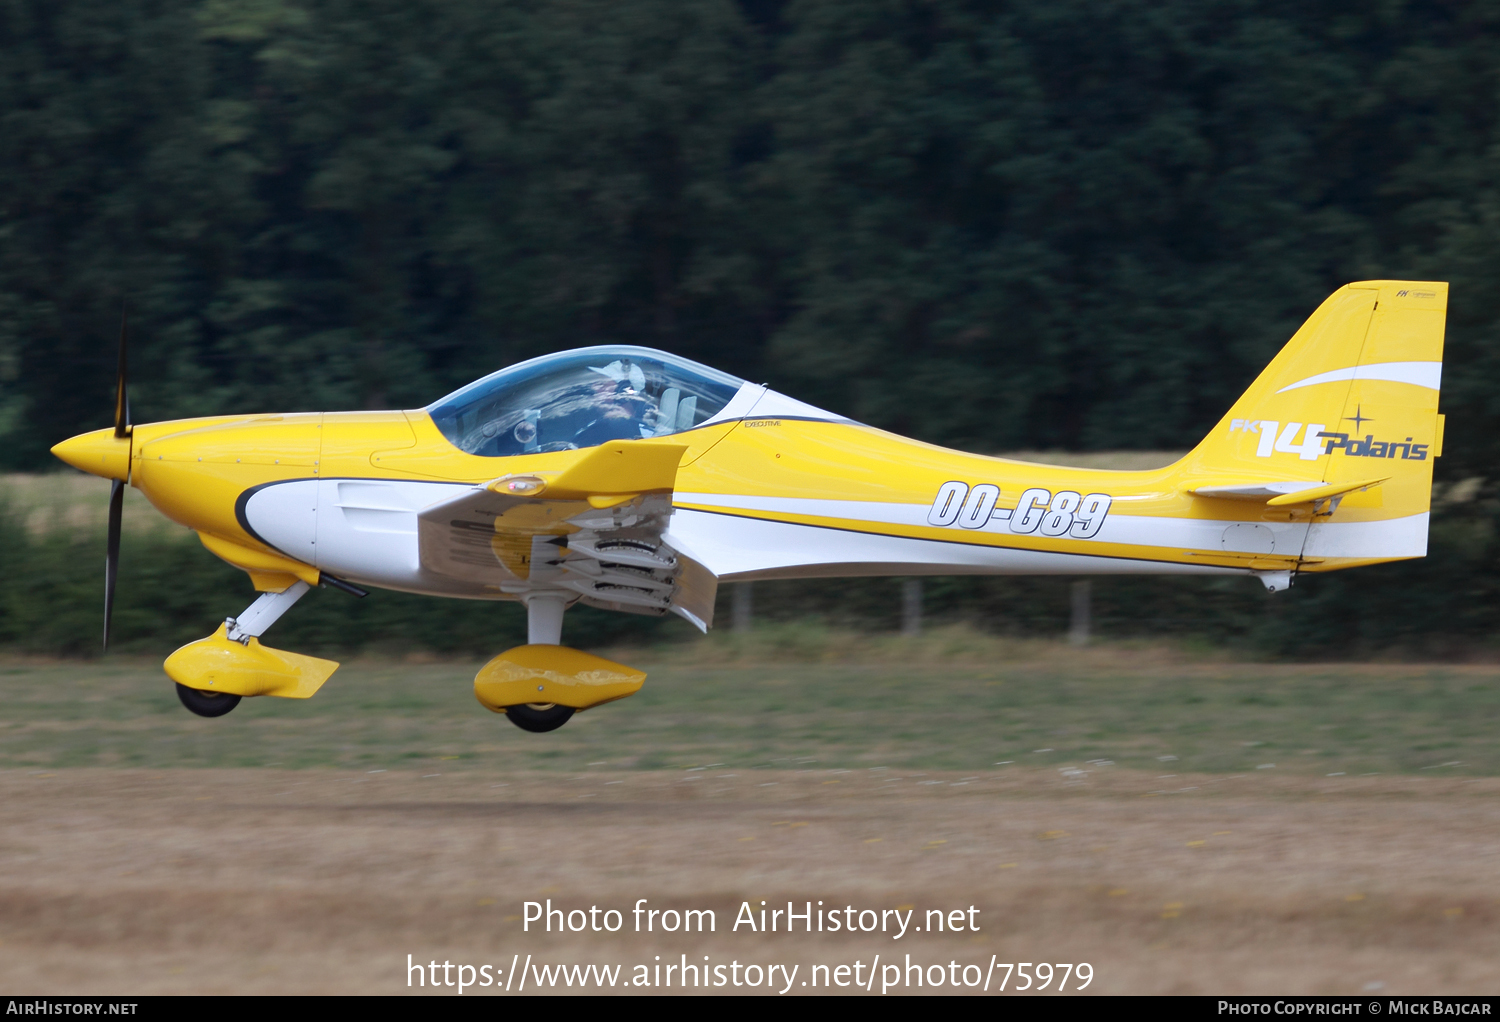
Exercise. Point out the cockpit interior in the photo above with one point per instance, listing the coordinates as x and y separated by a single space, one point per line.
582 398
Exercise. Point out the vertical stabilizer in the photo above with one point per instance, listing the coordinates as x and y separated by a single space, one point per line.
1353 397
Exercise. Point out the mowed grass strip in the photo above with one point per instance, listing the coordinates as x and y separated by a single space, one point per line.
946 702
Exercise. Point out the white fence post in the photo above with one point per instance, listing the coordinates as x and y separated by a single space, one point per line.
743 607
911 607
1078 628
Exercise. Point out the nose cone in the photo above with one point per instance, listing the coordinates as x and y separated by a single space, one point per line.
100 453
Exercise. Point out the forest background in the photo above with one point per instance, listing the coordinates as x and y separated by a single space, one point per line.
1073 225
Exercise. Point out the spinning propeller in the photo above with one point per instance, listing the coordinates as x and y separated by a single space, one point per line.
116 491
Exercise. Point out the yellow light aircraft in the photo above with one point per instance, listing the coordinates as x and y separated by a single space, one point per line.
633 480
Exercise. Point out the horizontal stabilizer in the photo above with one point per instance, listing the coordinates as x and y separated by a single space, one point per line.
1285 493
1324 492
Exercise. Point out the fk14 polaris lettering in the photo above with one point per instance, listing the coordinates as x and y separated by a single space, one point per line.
1369 447
1066 513
1275 439
1316 442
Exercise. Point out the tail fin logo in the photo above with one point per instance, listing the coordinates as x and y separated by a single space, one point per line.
1276 439
1369 447
1314 442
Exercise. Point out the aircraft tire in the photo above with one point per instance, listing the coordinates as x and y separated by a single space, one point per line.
538 717
207 704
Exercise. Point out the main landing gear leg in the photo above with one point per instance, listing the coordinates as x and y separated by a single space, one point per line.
263 613
544 617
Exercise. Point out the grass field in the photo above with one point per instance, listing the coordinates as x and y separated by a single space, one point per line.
77 503
1117 805
1184 821
952 700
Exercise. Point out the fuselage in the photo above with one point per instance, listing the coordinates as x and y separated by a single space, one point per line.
773 489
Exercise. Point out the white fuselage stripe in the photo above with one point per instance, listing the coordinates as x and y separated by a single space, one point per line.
733 547
1400 537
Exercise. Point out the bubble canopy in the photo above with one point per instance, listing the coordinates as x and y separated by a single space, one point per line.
582 398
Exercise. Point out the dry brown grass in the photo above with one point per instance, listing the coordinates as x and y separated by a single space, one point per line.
323 881
949 645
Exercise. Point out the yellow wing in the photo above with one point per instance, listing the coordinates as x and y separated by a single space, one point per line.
593 530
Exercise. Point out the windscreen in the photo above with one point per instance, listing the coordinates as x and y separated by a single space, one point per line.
582 398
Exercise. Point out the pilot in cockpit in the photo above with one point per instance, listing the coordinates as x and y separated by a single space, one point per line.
561 403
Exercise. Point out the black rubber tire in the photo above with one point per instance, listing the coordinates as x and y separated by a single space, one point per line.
207 704
530 718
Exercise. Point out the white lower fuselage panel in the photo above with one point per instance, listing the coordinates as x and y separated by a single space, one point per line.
362 530
365 530
749 548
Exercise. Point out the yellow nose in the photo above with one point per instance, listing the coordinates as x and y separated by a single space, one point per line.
100 453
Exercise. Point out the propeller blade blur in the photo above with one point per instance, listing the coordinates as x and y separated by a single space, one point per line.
122 402
112 554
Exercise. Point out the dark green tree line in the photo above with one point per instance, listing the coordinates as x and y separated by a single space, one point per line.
1085 223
